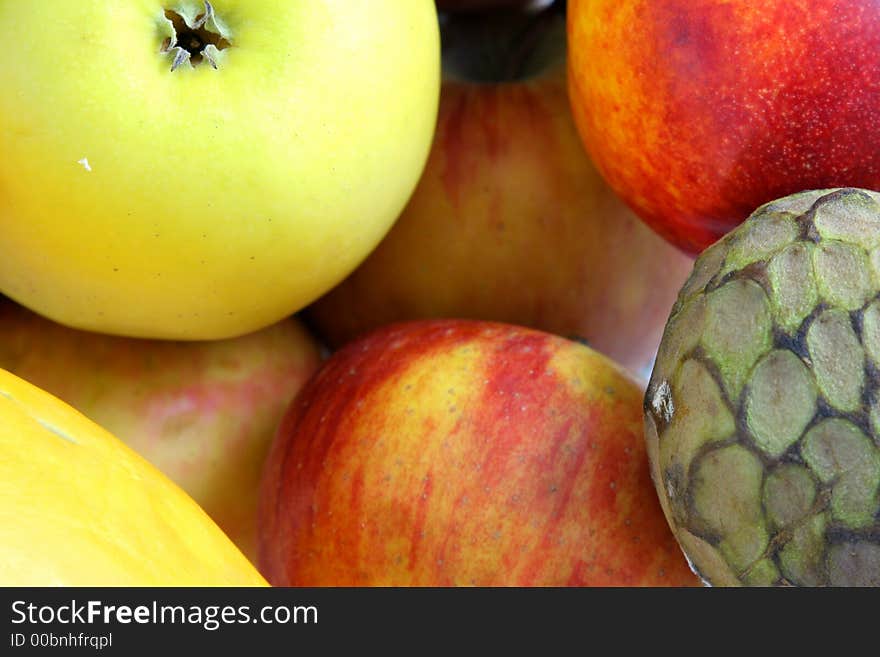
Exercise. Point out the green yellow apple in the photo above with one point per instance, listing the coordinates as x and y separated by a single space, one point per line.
510 220
203 412
150 191
455 452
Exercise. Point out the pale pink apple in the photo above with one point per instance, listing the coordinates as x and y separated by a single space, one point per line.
511 221
203 412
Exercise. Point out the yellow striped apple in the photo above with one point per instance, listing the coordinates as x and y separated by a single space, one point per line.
510 220
203 412
185 169
456 452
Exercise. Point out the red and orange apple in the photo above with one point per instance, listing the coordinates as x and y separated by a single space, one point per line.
510 220
455 452
203 412
699 111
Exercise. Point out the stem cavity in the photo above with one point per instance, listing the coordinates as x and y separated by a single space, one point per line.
192 37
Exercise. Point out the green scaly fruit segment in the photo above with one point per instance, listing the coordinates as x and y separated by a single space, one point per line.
763 410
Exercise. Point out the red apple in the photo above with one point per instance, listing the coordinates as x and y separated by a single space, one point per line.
454 452
699 111
203 412
510 220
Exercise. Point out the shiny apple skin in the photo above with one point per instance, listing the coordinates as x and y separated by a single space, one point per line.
699 111
453 452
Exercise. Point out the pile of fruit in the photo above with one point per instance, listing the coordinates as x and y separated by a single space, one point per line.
465 293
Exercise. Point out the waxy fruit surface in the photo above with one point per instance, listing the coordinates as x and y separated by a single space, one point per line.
699 111
449 452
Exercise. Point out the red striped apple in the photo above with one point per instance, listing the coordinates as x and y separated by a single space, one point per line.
699 111
455 452
510 220
203 412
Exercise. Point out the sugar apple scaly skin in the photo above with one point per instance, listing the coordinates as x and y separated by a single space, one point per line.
762 413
